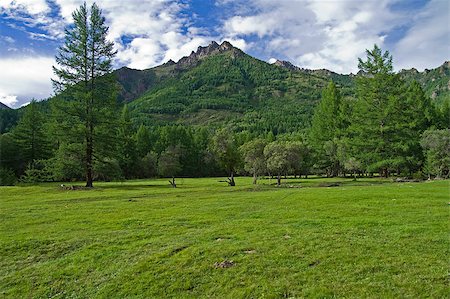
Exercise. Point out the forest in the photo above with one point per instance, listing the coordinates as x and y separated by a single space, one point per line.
198 120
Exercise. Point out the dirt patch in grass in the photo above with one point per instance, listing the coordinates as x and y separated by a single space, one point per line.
224 264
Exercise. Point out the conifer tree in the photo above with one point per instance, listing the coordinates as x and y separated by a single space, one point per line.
326 130
128 157
30 135
375 120
85 114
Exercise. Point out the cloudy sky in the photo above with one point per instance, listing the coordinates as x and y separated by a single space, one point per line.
309 33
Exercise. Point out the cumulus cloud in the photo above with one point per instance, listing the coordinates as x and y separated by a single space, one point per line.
25 78
333 34
309 33
146 32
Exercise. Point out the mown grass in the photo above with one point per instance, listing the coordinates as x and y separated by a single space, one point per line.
364 239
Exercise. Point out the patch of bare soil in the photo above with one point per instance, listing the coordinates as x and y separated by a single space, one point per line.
224 264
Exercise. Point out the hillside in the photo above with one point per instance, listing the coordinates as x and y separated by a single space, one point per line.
3 106
435 82
221 84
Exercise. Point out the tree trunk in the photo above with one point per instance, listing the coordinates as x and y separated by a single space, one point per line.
231 180
254 178
172 182
278 180
89 153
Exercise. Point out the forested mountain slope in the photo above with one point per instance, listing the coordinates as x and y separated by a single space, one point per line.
435 82
220 84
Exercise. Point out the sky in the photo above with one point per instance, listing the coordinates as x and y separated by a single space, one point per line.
309 33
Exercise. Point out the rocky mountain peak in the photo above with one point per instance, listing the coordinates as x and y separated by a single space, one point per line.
286 64
202 52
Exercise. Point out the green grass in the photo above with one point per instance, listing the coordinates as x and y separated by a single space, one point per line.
365 239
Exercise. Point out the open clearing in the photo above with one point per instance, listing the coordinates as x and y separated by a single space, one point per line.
370 238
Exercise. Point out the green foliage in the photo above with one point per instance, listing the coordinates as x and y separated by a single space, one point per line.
86 112
248 86
8 119
148 166
253 157
277 158
31 135
436 143
169 163
9 153
7 177
327 129
38 171
435 82
143 141
108 170
225 147
67 164
387 119
127 150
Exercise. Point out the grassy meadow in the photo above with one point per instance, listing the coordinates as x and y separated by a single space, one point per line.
143 239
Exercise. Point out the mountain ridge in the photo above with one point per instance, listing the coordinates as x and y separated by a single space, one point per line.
4 107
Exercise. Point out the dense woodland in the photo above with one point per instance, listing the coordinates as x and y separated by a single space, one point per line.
221 114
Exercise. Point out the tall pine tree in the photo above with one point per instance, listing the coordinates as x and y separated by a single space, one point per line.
85 114
326 129
30 136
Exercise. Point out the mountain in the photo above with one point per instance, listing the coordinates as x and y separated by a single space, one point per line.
435 82
220 84
3 106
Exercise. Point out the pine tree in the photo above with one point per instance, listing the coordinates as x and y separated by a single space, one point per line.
127 145
85 112
143 141
375 118
30 135
326 130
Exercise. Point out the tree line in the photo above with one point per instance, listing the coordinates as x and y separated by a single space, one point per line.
389 127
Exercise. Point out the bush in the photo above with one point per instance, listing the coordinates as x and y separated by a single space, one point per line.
38 171
108 170
7 177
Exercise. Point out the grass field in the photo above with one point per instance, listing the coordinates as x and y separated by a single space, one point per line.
365 239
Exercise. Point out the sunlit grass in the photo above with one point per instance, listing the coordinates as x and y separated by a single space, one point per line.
370 238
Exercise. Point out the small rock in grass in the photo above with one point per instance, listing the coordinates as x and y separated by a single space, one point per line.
314 263
224 264
287 237
252 251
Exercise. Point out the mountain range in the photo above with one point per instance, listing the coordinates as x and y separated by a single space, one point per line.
221 85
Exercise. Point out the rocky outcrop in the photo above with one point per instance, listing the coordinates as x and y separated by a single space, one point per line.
286 64
213 48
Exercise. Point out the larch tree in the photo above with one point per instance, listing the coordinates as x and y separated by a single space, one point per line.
30 135
326 130
84 63
374 122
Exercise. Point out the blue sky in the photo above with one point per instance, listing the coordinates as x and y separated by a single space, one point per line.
309 33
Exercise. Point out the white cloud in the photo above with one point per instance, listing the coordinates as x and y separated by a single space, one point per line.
329 34
25 78
8 100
